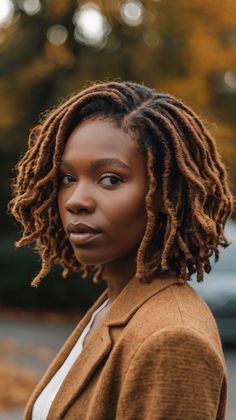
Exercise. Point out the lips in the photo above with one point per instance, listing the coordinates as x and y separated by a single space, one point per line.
81 228
80 233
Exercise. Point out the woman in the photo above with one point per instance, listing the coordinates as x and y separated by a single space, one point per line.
127 183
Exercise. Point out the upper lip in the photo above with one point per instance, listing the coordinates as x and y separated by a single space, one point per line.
81 228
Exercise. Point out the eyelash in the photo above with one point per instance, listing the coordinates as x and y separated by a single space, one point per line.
112 177
63 176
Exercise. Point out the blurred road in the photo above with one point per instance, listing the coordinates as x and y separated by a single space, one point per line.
33 344
230 356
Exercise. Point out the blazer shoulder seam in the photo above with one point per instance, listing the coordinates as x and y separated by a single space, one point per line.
177 304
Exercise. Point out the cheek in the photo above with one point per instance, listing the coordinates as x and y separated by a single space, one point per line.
130 215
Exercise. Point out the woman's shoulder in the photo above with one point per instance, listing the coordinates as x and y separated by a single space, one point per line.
177 310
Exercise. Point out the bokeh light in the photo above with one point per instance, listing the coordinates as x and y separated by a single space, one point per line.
31 7
6 12
57 34
91 26
132 12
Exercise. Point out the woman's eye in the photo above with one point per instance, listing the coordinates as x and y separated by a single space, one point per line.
110 180
66 179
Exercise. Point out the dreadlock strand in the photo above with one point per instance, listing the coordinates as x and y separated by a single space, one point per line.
47 145
184 248
85 273
172 222
97 277
208 171
168 131
189 127
46 267
149 200
218 163
171 232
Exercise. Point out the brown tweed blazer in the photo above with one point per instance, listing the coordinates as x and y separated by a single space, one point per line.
156 355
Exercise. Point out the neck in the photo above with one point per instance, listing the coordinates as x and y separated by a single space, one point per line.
118 274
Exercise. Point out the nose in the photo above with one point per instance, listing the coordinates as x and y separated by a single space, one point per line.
81 198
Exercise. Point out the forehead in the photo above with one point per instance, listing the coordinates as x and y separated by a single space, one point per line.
99 138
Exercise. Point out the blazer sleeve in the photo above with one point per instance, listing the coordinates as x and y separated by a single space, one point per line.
175 374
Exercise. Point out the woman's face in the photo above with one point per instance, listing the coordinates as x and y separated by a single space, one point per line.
103 186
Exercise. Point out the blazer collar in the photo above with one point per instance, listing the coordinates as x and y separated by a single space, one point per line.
122 309
134 295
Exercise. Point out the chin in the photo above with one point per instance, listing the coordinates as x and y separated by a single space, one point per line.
93 259
90 260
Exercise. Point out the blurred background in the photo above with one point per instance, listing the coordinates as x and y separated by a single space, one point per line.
52 48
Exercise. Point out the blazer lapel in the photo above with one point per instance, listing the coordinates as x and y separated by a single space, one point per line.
62 355
81 371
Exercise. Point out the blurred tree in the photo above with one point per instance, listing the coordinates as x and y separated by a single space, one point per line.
186 48
51 48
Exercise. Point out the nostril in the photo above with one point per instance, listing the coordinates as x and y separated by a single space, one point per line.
77 204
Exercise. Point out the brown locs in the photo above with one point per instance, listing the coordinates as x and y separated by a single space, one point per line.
182 162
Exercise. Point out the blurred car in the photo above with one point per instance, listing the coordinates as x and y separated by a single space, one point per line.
219 288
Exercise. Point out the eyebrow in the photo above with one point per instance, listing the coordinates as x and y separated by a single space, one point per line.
100 163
